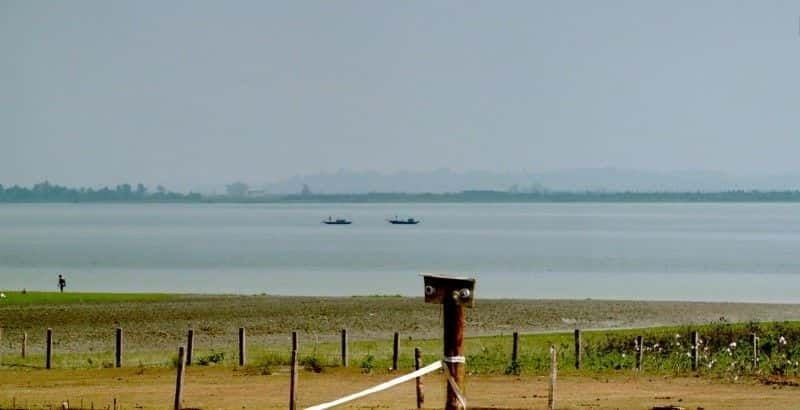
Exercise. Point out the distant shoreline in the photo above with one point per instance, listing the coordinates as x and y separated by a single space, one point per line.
456 197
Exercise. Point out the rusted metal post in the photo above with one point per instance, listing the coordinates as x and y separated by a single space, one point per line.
118 348
455 294
578 349
293 383
242 346
344 347
551 394
639 352
49 349
395 350
179 379
694 351
754 342
189 347
420 385
514 347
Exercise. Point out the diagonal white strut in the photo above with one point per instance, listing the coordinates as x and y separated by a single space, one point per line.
383 386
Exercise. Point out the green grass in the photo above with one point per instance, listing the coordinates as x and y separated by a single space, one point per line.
604 352
38 298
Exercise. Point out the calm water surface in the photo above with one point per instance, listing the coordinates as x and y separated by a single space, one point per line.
736 252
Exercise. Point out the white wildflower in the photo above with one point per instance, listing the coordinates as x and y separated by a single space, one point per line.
782 340
733 345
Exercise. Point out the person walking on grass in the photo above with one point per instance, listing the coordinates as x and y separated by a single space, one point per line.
62 283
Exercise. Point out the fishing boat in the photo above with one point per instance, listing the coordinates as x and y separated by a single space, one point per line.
337 221
398 221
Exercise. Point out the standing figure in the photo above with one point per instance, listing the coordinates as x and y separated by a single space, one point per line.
62 283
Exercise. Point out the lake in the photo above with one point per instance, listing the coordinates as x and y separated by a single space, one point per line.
663 251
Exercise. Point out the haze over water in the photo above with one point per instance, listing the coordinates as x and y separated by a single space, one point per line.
730 252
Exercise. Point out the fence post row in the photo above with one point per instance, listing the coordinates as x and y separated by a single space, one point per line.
578 349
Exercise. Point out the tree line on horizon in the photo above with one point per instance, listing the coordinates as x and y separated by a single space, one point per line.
47 192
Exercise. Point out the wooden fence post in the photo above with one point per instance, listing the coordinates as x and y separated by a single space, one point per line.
49 349
551 395
293 383
578 349
24 343
455 294
189 347
118 345
754 341
639 352
420 386
294 341
1 345
179 379
242 346
514 347
395 350
694 351
344 347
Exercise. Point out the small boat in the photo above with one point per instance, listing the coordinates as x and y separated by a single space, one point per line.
337 221
398 221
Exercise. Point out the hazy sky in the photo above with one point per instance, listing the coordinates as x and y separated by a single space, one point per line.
185 93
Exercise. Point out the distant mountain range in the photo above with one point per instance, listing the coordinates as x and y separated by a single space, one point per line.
598 179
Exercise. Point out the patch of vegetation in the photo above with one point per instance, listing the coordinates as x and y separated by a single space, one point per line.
211 358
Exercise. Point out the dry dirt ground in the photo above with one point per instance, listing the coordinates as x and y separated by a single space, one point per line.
227 388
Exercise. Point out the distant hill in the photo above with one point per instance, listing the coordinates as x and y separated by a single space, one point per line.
596 179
